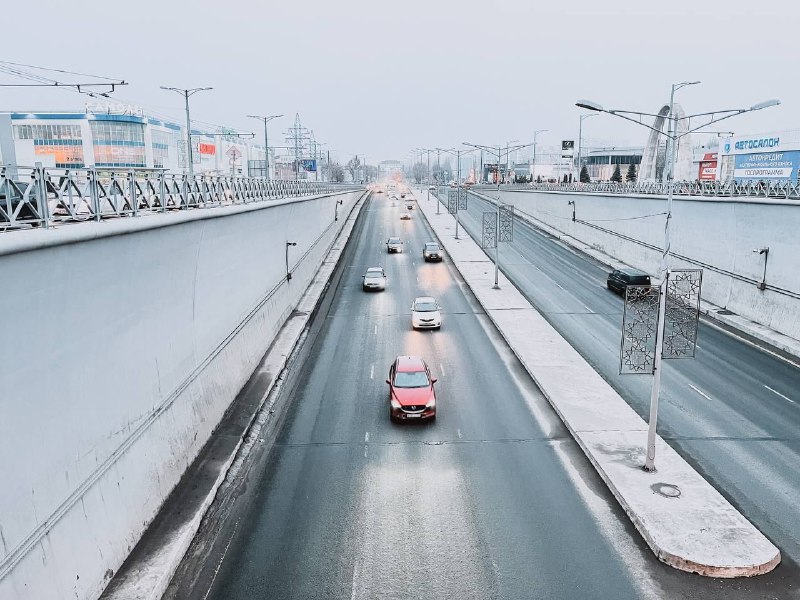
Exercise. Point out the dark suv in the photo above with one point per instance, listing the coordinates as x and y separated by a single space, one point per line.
619 279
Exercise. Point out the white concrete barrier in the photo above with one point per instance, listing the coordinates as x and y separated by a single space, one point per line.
717 235
122 344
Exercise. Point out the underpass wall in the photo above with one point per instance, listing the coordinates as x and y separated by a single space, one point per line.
717 235
122 345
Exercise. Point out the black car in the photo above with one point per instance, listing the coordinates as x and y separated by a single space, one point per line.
619 279
432 252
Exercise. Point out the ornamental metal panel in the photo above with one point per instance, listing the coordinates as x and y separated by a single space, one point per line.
682 313
639 324
452 202
506 233
489 230
462 199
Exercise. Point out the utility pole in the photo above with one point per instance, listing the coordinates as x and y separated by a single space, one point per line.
297 136
186 93
266 138
535 135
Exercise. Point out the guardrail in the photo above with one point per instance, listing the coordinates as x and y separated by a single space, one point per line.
43 197
787 190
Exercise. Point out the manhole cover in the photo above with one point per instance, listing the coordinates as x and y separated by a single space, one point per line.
666 489
725 311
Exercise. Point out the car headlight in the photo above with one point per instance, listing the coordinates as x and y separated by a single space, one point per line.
431 403
395 404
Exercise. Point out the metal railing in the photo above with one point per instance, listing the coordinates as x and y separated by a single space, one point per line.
717 189
43 197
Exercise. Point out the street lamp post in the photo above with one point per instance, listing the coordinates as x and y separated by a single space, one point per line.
186 93
672 137
336 210
288 272
497 151
266 138
535 135
580 140
457 154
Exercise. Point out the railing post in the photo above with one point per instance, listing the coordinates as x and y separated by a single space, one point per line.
132 194
41 196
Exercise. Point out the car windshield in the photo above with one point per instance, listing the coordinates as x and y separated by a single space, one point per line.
394 240
374 273
432 247
425 306
413 379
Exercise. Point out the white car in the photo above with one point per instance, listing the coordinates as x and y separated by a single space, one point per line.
394 244
410 205
405 216
374 279
426 313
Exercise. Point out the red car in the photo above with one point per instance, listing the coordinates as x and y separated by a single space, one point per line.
411 393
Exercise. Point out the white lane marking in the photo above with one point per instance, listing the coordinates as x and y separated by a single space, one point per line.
779 394
702 393
372 372
366 436
587 308
376 330
219 564
441 368
458 431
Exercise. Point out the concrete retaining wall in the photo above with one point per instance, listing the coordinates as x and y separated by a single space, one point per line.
718 235
122 345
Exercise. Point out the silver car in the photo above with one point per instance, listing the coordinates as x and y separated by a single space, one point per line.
394 244
374 279
426 313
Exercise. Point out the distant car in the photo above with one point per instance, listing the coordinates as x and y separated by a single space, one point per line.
619 279
411 393
374 279
394 244
432 188
431 252
410 205
402 195
378 191
405 217
425 313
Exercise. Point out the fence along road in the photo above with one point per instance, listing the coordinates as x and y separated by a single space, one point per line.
43 197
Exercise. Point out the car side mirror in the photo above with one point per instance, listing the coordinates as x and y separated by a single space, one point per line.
389 382
434 380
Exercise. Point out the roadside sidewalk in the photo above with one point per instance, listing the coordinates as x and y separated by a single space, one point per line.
684 520
751 332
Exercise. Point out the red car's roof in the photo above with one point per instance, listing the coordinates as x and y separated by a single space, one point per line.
409 364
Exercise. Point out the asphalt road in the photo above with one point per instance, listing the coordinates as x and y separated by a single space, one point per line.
493 500
733 411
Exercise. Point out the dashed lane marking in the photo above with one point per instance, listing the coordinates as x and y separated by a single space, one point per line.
701 392
776 392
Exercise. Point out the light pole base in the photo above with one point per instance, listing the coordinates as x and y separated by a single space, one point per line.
649 467
495 287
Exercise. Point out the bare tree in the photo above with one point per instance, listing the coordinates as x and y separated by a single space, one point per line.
353 165
337 172
418 171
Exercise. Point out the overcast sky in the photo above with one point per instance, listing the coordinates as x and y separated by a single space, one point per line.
380 78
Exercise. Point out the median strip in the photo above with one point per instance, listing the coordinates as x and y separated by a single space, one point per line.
686 522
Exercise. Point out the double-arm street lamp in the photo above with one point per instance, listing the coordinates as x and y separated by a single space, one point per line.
580 138
457 154
266 137
535 135
497 151
672 137
186 93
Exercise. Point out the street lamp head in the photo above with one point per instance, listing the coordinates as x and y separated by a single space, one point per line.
589 105
291 243
765 104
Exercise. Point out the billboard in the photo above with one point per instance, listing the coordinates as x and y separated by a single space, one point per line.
767 166
567 148
308 164
708 167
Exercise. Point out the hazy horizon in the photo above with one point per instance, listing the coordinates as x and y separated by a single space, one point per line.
378 81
